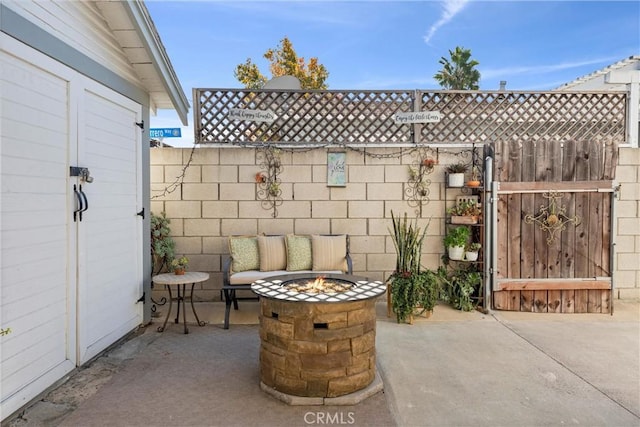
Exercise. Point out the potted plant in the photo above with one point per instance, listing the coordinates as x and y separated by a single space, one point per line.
471 251
460 287
455 241
475 178
412 290
456 173
465 212
179 265
162 244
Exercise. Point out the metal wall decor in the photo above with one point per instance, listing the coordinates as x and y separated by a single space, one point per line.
417 190
552 218
268 189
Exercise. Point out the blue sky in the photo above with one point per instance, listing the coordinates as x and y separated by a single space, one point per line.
533 45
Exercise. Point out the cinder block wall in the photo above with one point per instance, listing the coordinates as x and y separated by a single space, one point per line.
217 198
627 261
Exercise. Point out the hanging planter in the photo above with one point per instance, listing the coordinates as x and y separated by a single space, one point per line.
456 173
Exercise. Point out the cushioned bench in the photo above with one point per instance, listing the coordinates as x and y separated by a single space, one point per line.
256 257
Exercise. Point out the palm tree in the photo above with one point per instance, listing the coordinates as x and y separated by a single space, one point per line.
459 73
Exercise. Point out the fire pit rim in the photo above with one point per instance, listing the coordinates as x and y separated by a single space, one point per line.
362 289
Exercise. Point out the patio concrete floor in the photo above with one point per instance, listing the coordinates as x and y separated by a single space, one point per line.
454 369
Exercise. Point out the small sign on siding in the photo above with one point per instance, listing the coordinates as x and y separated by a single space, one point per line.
417 117
266 116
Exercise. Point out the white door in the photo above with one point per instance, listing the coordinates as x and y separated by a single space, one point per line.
37 286
110 233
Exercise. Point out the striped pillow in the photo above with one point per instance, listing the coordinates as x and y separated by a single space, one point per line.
273 254
329 252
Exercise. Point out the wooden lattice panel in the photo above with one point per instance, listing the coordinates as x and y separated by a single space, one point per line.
478 117
366 117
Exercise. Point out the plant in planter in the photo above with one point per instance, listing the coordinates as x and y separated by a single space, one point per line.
162 245
456 173
179 265
475 177
460 287
465 212
413 291
455 241
471 251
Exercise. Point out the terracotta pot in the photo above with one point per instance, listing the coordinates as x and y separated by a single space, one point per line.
473 183
179 271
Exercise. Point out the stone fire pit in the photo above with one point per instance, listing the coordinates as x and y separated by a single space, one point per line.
315 342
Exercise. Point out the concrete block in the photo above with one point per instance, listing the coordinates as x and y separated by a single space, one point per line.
199 191
368 244
215 245
626 278
627 261
231 226
229 191
381 262
295 173
166 191
237 156
630 191
366 173
165 156
353 191
177 226
201 227
254 209
627 208
312 226
219 209
188 245
157 206
629 156
628 173
396 173
183 209
309 191
202 156
319 173
156 173
219 173
173 173
275 226
628 293
329 209
366 209
311 157
294 209
628 226
626 243
391 191
353 227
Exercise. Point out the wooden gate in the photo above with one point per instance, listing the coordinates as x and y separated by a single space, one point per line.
552 240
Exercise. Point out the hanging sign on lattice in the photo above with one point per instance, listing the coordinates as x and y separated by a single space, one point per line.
417 117
266 116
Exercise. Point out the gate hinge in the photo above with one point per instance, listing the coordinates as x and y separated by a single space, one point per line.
140 124
141 213
141 299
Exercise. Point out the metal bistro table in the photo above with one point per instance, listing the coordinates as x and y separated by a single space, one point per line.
171 279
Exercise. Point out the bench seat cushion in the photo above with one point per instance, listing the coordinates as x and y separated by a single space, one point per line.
250 276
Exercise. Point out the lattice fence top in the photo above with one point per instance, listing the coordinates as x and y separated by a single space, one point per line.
367 117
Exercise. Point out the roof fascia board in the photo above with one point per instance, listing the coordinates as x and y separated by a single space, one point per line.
150 37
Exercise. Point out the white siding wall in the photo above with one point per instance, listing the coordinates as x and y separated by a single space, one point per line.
80 25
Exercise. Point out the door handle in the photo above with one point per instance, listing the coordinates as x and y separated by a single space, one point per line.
86 202
80 206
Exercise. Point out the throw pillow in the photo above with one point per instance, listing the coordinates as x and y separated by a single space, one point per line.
244 253
329 252
298 252
273 254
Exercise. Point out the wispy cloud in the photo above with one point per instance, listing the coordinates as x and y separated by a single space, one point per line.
451 9
542 69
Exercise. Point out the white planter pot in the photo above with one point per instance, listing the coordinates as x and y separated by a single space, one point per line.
471 256
456 180
456 253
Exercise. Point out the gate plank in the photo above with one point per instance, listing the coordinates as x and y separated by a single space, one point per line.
527 231
540 301
568 300
554 250
542 162
594 305
582 211
595 212
554 301
567 269
581 300
526 301
514 219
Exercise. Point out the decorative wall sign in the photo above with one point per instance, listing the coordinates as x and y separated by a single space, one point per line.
417 117
336 169
266 116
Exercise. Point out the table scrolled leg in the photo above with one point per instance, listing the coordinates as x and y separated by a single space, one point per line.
164 325
200 322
